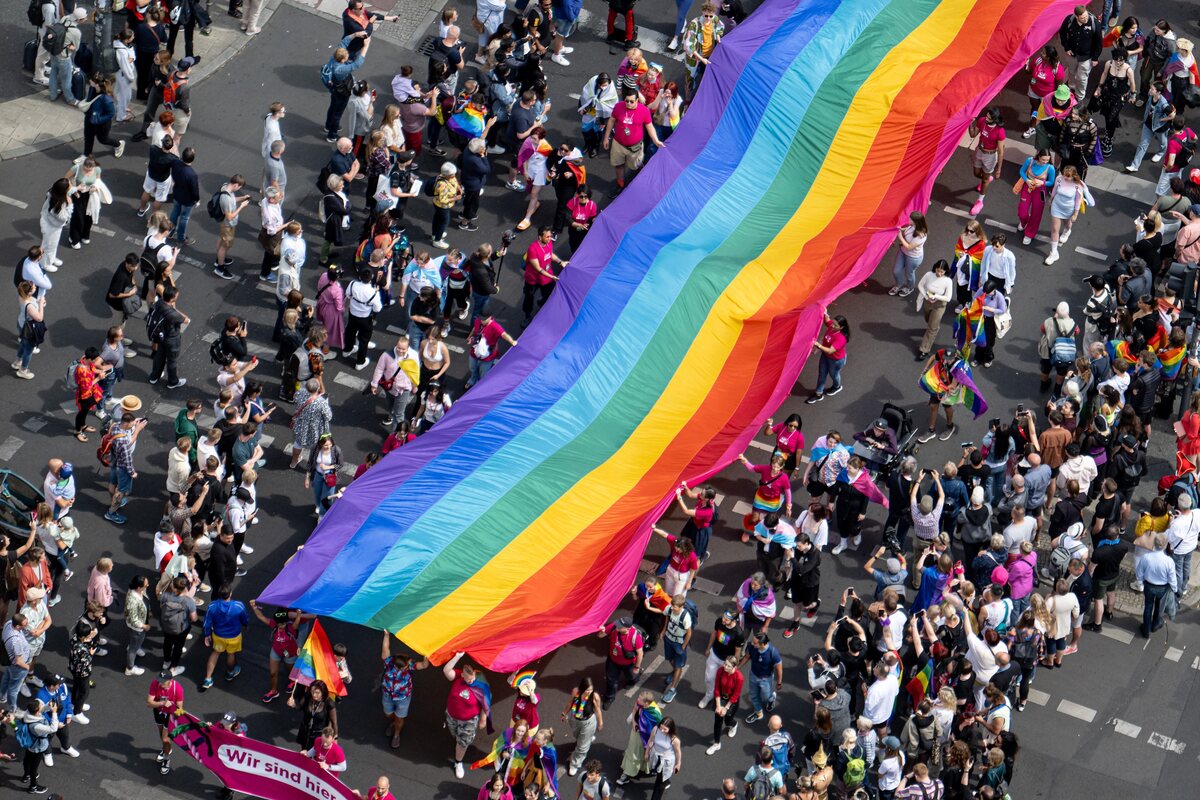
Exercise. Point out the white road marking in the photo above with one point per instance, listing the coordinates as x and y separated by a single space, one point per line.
1004 226
165 410
1173 654
707 586
1091 253
1075 710
1127 728
1038 697
740 508
1195 661
9 447
720 498
104 231
762 446
645 674
958 212
69 408
346 379
396 329
12 201
1117 634
36 423
1166 743
266 441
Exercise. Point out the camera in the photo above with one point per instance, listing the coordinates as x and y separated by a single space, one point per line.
508 237
892 542
967 445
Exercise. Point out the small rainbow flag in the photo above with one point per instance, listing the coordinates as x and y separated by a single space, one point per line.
315 662
1170 361
968 325
467 123
971 397
918 686
1119 348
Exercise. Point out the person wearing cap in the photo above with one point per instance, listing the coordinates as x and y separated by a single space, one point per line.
56 702
123 472
881 440
20 661
181 107
37 621
341 67
62 64
58 487
165 700
891 767
892 576
626 648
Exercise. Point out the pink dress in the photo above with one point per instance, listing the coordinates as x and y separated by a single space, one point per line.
331 303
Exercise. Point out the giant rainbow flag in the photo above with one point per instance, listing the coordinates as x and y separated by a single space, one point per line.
518 523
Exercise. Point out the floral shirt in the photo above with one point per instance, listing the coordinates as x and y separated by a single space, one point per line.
397 679
86 385
80 659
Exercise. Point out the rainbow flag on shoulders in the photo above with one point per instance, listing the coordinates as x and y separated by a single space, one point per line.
968 325
316 662
467 123
1170 361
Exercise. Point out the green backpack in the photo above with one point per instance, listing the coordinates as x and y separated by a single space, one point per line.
856 772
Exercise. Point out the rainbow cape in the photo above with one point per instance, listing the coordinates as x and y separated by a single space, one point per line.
467 123
505 748
519 522
969 260
1170 361
935 382
648 717
316 662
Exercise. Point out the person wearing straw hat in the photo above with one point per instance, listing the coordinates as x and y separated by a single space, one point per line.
123 472
37 622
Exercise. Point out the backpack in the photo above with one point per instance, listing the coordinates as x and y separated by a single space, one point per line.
170 89
782 749
1187 149
856 772
104 452
24 735
148 260
214 206
1002 628
689 608
1062 350
156 325
55 38
1106 322
173 613
69 378
760 788
218 354
1024 651
34 12
344 87
635 634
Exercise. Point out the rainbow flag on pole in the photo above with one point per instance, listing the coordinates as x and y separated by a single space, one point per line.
968 325
315 662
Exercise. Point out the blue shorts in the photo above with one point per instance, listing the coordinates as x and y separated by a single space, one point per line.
397 707
121 479
675 654
276 657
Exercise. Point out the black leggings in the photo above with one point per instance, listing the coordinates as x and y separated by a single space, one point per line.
96 133
85 406
457 298
80 689
173 648
532 289
720 723
1026 678
80 227
32 763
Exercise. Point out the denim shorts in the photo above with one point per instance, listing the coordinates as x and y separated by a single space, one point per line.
397 707
1055 645
675 654
121 479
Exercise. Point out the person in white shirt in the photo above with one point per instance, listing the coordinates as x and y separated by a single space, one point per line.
489 13
1020 529
999 263
271 131
1079 466
891 621
393 374
365 303
934 291
1182 534
881 696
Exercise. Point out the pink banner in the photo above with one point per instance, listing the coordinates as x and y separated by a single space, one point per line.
256 768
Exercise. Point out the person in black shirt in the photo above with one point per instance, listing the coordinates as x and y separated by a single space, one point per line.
166 351
187 194
1107 556
122 296
448 51
157 185
485 277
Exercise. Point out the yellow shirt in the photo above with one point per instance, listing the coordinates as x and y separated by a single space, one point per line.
706 40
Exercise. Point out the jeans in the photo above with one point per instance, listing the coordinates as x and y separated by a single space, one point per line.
333 117
1164 181
1183 571
762 692
905 270
1152 611
136 638
478 370
399 407
993 484
10 685
441 221
24 353
829 370
1144 144
60 79
180 214
1112 8
480 302
321 491
682 7
166 354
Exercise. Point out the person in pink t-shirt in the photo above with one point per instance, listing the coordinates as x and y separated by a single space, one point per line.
833 357
989 153
539 271
327 752
625 134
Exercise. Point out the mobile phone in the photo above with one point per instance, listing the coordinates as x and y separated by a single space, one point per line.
816 696
1020 409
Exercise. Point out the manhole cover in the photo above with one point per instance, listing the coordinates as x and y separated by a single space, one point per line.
425 47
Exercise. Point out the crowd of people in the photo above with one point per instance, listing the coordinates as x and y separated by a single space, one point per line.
990 567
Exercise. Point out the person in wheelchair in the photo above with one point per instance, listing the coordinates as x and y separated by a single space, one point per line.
876 445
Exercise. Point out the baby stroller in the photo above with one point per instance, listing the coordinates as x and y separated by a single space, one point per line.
899 420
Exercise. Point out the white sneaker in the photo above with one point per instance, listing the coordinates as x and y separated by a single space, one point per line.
87 707
572 770
100 640
495 149
712 749
132 671
25 690
1157 157
441 244
567 50
82 719
49 759
1026 240
732 731
458 769
842 547
49 268
176 672
247 549
559 59
71 751
856 542
1028 133
673 44
102 651
57 262
1050 259
34 680
1065 235
240 562
704 701
120 149
1131 168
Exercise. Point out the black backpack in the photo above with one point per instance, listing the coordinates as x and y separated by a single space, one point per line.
34 12
148 261
214 206
1187 150
156 325
55 38
218 354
